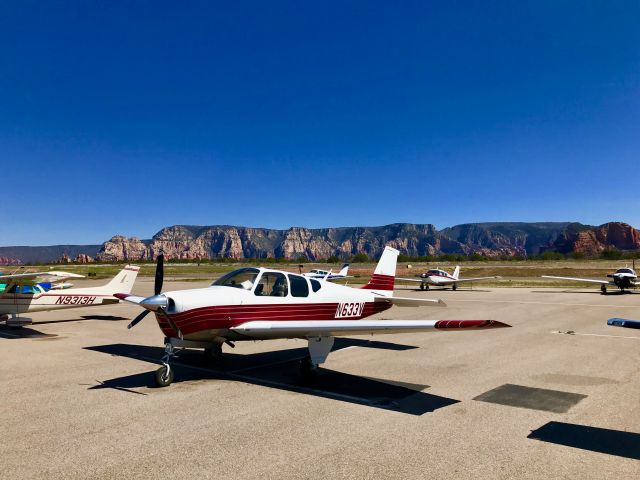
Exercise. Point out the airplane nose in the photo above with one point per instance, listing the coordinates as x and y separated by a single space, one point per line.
155 302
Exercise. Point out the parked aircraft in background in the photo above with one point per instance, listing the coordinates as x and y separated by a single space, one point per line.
261 304
24 293
437 277
622 278
327 274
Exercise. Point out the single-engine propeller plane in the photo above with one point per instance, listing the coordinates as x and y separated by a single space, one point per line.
27 293
260 304
622 278
437 277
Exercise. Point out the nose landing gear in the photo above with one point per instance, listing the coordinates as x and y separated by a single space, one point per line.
164 375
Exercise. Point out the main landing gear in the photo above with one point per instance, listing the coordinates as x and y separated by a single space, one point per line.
15 321
454 287
603 289
319 349
424 286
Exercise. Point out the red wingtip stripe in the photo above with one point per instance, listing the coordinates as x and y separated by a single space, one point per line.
458 324
121 296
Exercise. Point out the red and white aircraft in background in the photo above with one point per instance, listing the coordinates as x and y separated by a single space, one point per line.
261 304
24 294
439 278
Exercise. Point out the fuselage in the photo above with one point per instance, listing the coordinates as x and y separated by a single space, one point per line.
624 278
34 298
206 313
437 277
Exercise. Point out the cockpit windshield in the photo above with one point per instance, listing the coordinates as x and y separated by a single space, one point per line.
625 270
242 278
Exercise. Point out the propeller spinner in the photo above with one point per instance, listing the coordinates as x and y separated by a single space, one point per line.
157 302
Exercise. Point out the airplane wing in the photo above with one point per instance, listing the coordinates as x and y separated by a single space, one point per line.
261 330
412 302
460 280
589 280
446 281
37 277
129 298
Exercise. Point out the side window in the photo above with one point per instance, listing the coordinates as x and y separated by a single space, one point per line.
272 284
299 286
315 285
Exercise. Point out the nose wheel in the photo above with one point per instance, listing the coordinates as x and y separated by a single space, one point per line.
164 375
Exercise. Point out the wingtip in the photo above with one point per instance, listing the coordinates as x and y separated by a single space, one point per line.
122 296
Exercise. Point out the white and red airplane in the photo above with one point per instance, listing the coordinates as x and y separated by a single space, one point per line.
24 294
437 277
260 304
622 278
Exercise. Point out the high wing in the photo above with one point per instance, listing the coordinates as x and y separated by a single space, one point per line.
37 277
262 330
588 280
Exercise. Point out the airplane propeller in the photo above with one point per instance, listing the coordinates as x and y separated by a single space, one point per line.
157 302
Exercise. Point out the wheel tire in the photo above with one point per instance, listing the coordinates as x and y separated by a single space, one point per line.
212 354
426 287
161 377
422 286
454 287
603 289
307 369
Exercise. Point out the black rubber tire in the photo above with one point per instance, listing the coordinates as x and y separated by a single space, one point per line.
161 378
454 287
212 354
422 286
307 370
603 289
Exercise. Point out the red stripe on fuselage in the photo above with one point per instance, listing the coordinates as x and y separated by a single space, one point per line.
380 282
228 316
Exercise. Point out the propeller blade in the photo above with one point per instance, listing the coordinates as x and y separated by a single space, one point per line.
157 287
136 320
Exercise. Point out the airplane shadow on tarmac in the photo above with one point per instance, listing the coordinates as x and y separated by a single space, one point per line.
279 369
27 332
602 440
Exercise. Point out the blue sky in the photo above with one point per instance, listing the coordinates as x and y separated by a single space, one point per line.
124 117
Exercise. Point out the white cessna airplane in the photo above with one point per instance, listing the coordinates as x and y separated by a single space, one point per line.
261 304
328 274
622 278
437 277
24 294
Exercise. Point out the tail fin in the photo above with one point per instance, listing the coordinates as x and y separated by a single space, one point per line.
123 281
456 272
344 270
385 273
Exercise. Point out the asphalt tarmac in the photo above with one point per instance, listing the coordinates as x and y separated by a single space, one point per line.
77 398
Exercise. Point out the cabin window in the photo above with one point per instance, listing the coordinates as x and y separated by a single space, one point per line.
299 286
241 278
272 284
315 285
